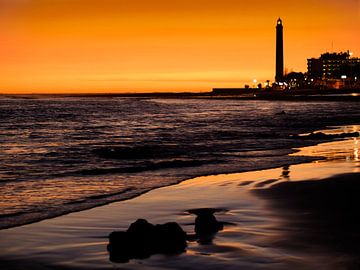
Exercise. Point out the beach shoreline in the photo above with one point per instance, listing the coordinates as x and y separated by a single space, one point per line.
78 240
288 157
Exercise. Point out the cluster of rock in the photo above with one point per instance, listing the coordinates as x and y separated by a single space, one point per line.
143 239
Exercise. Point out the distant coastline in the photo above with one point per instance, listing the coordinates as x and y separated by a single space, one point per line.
220 93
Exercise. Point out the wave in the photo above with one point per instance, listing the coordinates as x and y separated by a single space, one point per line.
139 152
149 166
324 136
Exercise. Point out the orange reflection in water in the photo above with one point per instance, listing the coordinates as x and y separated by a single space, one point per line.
336 157
342 150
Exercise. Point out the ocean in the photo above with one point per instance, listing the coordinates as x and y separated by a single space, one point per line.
64 154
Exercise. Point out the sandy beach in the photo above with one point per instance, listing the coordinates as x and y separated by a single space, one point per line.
299 217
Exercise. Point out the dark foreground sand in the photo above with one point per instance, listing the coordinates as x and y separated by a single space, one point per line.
320 217
299 217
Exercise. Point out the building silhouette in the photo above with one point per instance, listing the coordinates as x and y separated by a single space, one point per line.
334 71
279 77
333 66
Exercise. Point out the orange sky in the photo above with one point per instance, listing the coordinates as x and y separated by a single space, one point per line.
161 45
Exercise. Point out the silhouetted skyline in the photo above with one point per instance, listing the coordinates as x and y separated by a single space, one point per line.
129 46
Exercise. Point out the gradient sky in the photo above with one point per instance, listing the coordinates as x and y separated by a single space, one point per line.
160 45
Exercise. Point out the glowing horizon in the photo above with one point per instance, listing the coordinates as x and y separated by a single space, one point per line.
136 46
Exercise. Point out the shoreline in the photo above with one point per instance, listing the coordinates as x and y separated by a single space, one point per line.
216 94
53 242
111 198
301 160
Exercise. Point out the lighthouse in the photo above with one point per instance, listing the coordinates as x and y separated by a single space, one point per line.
279 77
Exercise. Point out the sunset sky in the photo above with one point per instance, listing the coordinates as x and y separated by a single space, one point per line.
49 46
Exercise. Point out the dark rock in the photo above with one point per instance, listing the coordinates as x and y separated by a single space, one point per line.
143 239
211 211
121 248
205 222
141 227
170 238
281 113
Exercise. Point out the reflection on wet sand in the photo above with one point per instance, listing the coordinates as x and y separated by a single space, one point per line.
344 150
320 219
285 174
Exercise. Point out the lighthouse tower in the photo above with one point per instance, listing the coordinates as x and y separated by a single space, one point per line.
279 77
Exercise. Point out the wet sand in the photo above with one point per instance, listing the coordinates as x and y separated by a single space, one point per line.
321 217
295 217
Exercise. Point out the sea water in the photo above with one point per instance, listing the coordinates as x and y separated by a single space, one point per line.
65 154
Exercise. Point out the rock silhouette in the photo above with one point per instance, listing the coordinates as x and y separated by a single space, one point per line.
143 239
205 222
280 113
206 225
